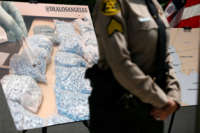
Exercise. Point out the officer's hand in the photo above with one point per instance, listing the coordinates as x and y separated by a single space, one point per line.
163 113
12 21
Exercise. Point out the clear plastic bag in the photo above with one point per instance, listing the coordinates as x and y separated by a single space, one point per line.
47 31
73 105
22 65
69 60
90 53
41 41
72 79
23 118
63 29
23 90
71 44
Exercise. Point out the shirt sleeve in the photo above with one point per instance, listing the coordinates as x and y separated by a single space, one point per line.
126 72
173 87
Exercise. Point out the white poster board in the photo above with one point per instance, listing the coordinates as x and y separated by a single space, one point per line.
65 92
184 50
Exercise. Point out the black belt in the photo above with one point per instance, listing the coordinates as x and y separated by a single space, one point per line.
104 83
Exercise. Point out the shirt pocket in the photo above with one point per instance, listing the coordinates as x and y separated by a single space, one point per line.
146 23
140 18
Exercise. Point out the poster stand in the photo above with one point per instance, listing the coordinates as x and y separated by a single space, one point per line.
33 1
44 130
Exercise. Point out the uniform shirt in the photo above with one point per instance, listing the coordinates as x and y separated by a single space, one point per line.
127 39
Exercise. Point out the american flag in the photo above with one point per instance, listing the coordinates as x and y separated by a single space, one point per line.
187 16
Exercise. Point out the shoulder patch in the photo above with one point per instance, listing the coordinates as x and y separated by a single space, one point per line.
110 7
114 26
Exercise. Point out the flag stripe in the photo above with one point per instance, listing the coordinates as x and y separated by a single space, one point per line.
191 12
192 22
192 2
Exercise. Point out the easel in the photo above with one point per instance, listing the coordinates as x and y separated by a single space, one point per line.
44 130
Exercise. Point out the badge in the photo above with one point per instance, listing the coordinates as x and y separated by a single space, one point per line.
114 26
145 19
110 7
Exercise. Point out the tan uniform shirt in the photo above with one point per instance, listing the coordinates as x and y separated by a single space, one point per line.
130 50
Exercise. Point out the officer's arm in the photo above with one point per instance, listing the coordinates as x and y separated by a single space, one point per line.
128 74
173 95
173 86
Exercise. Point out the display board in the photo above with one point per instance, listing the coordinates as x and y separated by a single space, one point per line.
184 50
45 85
